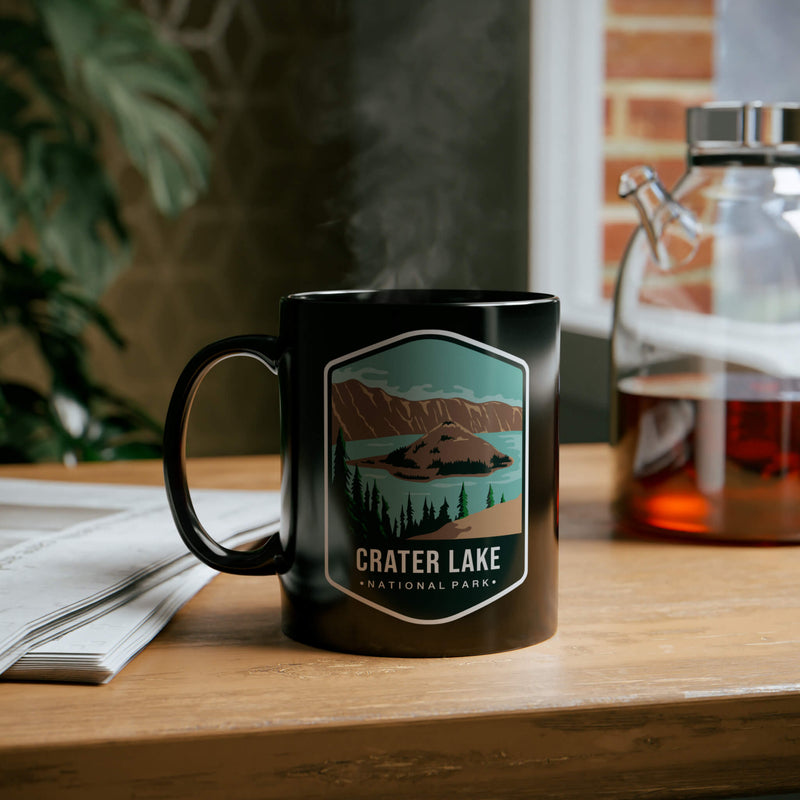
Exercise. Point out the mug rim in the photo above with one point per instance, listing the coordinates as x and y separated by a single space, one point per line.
430 297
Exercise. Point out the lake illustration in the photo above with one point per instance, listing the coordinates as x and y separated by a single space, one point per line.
427 443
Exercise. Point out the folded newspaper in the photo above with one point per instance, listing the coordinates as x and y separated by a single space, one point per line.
89 573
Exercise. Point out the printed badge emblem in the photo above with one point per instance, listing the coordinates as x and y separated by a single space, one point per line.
426 475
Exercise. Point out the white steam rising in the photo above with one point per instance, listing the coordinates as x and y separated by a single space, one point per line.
431 88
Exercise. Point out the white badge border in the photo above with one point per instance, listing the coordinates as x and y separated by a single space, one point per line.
423 334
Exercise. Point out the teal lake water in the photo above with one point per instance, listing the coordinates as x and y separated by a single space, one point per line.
506 481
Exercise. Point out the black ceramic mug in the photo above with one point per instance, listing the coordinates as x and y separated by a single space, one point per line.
419 469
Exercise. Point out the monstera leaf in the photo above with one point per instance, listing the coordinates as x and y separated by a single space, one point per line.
78 63
72 74
110 53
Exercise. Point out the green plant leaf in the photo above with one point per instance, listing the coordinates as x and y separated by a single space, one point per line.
28 432
37 78
12 104
75 211
21 39
43 303
147 85
9 207
61 69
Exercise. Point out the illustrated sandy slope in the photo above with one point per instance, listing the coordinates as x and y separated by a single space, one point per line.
502 519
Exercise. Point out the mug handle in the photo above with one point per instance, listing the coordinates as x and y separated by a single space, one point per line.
268 559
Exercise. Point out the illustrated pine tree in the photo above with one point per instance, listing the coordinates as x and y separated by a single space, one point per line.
341 472
372 519
340 497
386 523
369 513
356 498
410 526
356 506
463 503
444 514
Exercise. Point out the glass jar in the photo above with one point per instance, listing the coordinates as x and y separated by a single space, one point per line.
706 336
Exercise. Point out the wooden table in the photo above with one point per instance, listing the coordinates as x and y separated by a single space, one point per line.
675 673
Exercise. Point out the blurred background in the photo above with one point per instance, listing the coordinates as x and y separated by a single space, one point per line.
363 143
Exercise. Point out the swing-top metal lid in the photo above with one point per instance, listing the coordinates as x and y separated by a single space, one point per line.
754 125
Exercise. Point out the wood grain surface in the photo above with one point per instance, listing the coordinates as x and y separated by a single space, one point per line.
675 672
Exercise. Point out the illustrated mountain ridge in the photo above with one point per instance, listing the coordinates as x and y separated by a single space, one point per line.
389 415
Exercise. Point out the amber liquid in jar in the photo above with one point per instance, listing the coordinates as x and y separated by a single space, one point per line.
709 457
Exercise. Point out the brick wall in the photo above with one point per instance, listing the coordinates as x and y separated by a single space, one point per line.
659 61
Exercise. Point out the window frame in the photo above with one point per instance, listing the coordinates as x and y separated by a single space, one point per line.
567 69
